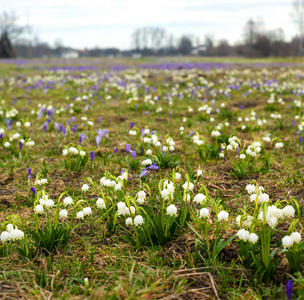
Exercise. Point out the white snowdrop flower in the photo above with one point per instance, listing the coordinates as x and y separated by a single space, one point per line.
49 203
211 119
22 141
296 236
242 156
102 180
273 211
16 136
90 123
132 209
10 227
118 186
165 194
42 202
16 234
147 131
65 152
247 221
199 198
147 162
5 236
85 187
38 209
147 140
288 211
63 213
149 152
157 144
129 221
199 172
87 211
263 198
222 155
229 148
215 133
165 149
67 201
243 127
138 220
43 181
271 221
171 148
124 176
187 197
80 215
238 220
27 124
287 241
82 153
253 238
240 119
181 128
243 234
100 203
18 124
278 145
204 212
7 144
223 215
141 196
132 132
266 139
188 186
73 151
172 210
178 176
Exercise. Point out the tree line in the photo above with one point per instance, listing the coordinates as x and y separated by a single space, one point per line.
257 41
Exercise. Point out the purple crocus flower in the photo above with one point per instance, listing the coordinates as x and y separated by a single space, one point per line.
73 119
242 107
238 150
289 289
115 149
1 135
300 140
293 123
99 120
20 145
153 167
143 173
133 154
68 122
44 127
128 147
29 172
132 124
33 190
98 139
61 128
92 155
170 115
191 133
82 137
142 151
74 128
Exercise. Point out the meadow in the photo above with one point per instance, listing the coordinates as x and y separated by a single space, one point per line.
151 179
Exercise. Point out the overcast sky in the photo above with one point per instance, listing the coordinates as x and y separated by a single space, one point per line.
109 23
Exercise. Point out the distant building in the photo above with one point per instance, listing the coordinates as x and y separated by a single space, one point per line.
70 53
198 50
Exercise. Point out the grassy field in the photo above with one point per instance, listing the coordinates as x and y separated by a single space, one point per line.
151 179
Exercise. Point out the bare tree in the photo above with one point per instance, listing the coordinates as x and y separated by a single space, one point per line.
298 17
10 27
